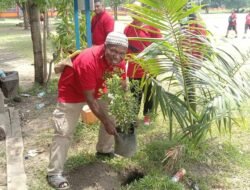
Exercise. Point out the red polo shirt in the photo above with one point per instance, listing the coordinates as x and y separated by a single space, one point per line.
195 43
248 19
88 71
135 46
233 17
101 25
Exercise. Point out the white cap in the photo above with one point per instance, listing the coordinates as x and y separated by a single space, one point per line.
117 38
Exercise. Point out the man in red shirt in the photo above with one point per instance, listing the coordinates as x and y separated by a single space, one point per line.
102 23
78 85
232 23
247 24
194 45
135 71
197 34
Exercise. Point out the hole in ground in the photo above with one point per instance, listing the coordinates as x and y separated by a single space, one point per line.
132 176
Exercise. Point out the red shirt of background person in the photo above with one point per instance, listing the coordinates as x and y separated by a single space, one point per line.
135 72
232 19
135 46
199 31
102 23
247 24
87 76
195 31
232 24
248 19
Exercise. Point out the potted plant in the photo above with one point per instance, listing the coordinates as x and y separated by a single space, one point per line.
123 106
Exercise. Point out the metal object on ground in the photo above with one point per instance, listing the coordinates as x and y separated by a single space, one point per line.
10 84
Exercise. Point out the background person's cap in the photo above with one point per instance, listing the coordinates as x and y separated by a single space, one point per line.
117 38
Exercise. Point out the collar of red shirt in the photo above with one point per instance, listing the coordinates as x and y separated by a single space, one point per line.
99 15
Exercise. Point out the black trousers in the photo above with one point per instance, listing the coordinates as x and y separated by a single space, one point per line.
148 103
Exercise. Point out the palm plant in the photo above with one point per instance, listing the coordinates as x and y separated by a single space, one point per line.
195 98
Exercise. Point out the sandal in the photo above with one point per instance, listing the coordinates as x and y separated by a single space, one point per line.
58 182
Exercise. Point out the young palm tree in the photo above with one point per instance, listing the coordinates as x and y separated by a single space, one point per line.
196 91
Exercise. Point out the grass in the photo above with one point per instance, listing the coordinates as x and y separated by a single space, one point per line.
18 40
154 182
36 88
210 164
15 39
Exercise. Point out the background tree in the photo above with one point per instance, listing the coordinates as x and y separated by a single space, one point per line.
34 18
65 44
206 4
236 4
230 4
115 4
22 4
33 9
6 4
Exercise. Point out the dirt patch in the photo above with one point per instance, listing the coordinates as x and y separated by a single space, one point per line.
100 176
94 176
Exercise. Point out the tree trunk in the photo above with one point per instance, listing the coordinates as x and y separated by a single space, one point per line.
45 44
25 16
207 10
46 20
115 11
23 7
34 16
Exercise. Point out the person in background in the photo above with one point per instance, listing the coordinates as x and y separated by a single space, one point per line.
135 72
101 24
78 85
194 44
232 23
247 24
42 17
198 31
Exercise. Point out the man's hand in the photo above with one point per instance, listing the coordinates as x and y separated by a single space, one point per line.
110 127
100 109
124 85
